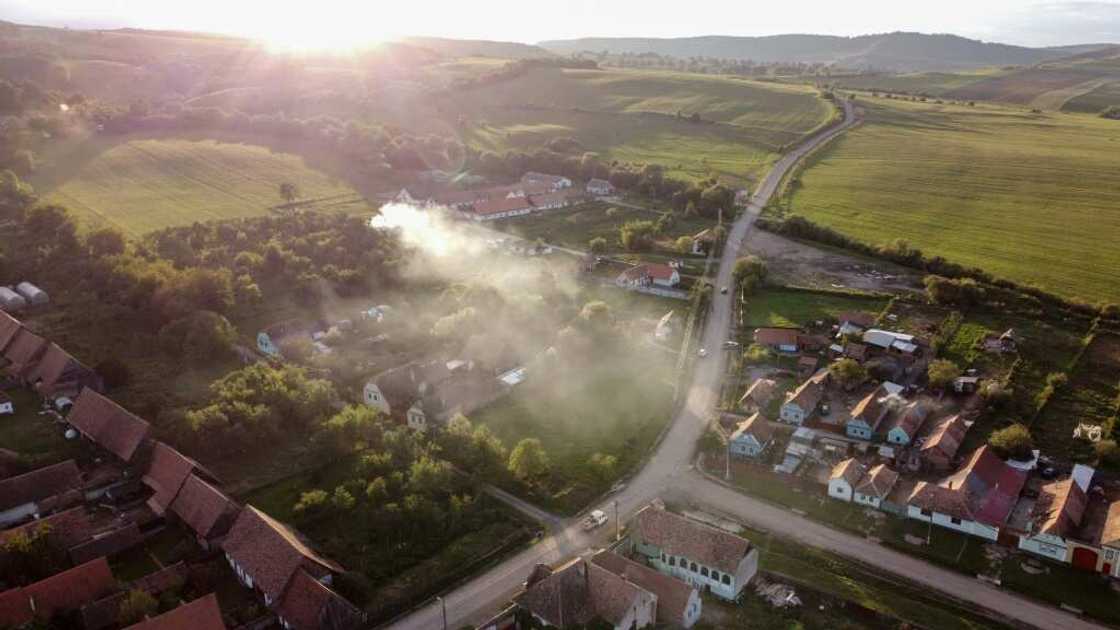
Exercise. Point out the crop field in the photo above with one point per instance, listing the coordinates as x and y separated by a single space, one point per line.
633 116
574 227
778 307
1094 101
929 83
1028 197
148 184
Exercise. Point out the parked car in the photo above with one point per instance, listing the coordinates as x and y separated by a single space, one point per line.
595 519
730 344
703 352
723 290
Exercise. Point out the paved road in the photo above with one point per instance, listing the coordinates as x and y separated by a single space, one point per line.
669 470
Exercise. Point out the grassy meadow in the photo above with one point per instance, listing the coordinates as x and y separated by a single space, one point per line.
632 116
782 307
143 185
1029 197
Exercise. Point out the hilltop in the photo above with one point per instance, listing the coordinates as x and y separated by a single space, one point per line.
899 52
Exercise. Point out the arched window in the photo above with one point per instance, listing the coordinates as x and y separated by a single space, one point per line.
704 571
727 579
672 561
694 567
715 575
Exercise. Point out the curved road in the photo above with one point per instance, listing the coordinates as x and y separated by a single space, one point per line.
670 470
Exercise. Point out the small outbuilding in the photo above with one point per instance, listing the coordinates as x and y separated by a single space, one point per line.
11 301
33 294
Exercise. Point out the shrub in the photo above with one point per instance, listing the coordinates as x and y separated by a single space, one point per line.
942 373
1014 442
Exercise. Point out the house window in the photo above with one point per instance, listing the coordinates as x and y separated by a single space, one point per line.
672 561
954 520
727 579
704 571
715 575
926 513
663 556
693 567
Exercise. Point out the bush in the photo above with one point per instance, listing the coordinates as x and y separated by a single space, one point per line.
1013 442
1108 454
597 245
942 373
848 373
758 354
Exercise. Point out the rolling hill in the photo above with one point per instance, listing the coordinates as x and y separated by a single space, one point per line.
899 52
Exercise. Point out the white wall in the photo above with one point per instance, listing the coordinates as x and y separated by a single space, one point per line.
374 398
1047 546
942 520
840 489
17 513
866 499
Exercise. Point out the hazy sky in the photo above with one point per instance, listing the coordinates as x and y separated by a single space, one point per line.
326 21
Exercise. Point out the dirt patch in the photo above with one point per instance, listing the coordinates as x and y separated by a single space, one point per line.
802 264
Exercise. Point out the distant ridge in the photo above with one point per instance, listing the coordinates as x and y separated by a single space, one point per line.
899 52
478 48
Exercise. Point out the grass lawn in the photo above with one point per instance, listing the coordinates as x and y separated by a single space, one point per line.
615 406
631 115
141 185
781 307
37 438
1023 196
1089 397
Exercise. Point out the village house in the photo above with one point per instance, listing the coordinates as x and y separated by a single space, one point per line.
940 447
62 592
869 413
167 470
885 340
66 529
552 200
499 208
854 323
708 558
1056 515
678 603
582 592
22 353
600 188
423 394
703 242
104 613
265 554
843 479
779 339
908 421
59 374
205 511
108 425
802 402
40 492
975 500
649 275
200 614
759 395
1096 547
554 182
875 486
751 437
307 604
272 340
966 384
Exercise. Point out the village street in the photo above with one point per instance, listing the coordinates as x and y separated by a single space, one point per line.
670 473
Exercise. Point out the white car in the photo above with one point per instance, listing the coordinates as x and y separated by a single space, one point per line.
702 353
595 519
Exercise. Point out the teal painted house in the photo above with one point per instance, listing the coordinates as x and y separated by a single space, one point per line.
868 415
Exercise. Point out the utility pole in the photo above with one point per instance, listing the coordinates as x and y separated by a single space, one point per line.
727 462
617 525
443 607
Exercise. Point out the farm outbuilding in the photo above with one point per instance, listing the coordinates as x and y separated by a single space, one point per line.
10 300
33 294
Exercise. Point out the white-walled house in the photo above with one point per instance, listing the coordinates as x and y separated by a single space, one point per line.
1057 514
600 187
875 486
803 401
579 592
39 492
751 437
678 603
975 500
845 475
703 556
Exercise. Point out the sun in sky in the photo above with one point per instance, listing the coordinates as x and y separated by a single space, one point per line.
324 31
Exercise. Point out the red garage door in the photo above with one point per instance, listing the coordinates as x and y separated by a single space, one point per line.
1084 558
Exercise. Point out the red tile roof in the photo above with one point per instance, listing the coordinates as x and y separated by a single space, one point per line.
878 482
103 613
64 529
166 473
500 205
55 366
64 591
757 426
776 336
108 424
308 604
945 439
578 592
39 484
659 271
985 489
203 508
107 543
911 418
1060 507
9 327
672 594
270 552
680 536
200 614
23 352
850 470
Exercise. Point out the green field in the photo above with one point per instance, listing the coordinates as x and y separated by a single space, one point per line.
778 307
143 185
1094 101
926 83
1030 197
632 116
